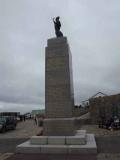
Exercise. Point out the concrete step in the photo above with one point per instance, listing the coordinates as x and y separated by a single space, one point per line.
78 139
80 132
39 140
89 148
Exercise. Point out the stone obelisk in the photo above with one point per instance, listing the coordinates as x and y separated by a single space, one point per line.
59 97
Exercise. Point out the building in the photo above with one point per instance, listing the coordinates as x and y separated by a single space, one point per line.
16 114
38 112
106 106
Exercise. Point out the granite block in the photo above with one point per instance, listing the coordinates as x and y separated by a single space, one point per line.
56 140
59 96
80 132
76 140
39 140
54 149
58 126
89 148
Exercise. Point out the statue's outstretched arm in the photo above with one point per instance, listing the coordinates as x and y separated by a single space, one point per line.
54 20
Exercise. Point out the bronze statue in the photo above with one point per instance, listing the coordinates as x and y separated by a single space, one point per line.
57 26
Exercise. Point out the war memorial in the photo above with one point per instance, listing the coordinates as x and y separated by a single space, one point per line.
60 135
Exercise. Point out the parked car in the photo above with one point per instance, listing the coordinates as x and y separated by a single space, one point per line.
7 123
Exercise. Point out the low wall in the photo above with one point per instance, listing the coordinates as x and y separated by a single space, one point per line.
77 112
82 120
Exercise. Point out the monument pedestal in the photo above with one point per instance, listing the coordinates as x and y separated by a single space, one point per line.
59 97
59 126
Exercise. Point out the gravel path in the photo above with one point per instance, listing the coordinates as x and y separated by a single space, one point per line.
100 131
108 156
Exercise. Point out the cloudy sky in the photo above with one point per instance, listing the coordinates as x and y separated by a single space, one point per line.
93 31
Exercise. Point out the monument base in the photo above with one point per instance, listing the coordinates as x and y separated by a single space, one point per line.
81 143
59 127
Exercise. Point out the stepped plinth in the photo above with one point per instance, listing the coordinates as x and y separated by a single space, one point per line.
81 143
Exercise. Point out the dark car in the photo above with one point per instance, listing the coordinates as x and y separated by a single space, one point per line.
7 123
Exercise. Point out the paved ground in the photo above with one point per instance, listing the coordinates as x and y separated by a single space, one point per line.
65 157
23 130
52 157
108 156
4 156
12 156
108 144
8 145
